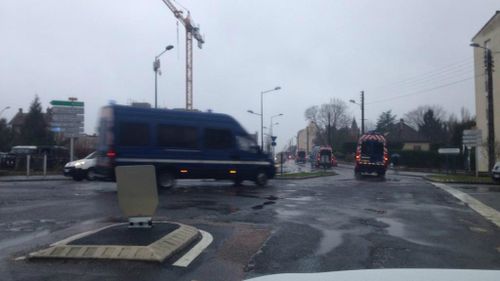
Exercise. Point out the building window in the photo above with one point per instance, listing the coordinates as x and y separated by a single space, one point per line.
133 134
182 137
417 147
218 139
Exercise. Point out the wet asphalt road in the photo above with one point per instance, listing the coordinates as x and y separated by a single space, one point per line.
321 224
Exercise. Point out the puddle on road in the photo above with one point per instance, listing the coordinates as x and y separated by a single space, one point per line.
20 239
330 240
397 229
302 198
286 214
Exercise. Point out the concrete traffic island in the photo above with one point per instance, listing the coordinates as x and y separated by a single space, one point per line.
119 242
140 238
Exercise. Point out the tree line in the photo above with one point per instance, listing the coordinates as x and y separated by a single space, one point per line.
336 126
34 130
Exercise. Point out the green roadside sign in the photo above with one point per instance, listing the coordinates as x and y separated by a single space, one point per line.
66 103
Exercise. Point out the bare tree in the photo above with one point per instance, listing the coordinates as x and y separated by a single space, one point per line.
329 116
415 118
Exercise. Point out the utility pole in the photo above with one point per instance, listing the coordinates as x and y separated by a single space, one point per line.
362 112
328 132
488 60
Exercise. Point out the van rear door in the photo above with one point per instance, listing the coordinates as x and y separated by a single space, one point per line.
372 151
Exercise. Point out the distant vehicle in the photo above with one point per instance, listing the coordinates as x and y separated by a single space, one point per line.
180 144
495 172
82 168
371 155
57 156
301 157
323 157
7 160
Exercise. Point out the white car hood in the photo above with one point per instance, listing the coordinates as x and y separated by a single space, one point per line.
70 164
389 275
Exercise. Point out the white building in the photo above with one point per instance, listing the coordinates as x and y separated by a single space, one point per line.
489 37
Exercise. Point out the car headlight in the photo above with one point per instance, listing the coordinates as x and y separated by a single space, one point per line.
79 163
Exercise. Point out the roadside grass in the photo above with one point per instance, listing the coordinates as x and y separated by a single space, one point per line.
306 175
447 178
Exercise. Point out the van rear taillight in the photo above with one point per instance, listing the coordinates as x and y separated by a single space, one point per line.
358 157
111 153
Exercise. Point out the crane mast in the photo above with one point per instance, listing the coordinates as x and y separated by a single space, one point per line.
191 31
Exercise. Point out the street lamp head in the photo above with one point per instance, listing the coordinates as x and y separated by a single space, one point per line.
475 45
250 111
277 88
352 101
281 114
169 47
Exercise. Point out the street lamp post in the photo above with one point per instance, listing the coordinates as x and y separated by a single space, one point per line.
262 113
272 117
156 68
5 108
362 105
490 112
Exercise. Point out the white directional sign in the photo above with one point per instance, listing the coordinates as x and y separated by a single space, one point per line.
67 117
471 137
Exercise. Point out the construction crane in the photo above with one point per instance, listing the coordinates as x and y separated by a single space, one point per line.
191 31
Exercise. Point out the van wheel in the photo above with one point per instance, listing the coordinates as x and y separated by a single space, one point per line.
261 178
91 174
166 180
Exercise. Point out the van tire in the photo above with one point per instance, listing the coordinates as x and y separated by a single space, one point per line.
261 178
165 179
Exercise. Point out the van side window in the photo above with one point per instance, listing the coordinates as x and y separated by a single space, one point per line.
133 134
218 139
172 136
246 144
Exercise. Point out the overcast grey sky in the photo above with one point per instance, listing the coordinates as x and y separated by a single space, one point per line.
315 50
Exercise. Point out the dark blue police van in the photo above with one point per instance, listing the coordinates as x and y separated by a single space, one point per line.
180 144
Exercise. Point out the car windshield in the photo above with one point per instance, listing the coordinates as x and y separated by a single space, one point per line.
91 155
240 140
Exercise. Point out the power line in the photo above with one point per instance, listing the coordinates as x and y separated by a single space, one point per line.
426 90
433 79
457 64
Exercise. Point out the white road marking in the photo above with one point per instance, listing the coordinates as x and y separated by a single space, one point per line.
186 259
484 210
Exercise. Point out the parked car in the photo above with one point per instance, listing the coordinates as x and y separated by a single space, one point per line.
180 144
7 160
82 168
56 156
371 155
495 172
